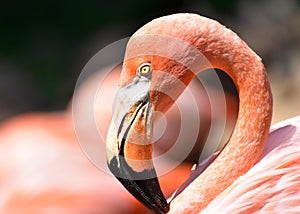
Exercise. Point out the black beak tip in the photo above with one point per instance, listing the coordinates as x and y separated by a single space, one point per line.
147 192
144 186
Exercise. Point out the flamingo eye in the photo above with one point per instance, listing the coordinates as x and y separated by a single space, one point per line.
145 69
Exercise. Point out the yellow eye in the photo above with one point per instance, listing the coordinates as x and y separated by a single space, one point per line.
145 69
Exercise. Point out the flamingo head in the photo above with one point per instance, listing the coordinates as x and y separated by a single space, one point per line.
150 81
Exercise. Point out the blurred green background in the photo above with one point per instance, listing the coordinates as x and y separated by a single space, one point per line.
45 44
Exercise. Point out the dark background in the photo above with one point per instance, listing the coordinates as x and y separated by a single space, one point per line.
45 44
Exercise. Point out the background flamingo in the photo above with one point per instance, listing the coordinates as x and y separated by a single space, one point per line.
46 172
226 51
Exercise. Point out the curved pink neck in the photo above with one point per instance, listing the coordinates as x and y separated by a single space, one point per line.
226 51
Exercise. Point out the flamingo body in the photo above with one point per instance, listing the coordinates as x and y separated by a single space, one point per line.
272 185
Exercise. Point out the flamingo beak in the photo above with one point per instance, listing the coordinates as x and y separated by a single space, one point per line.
129 144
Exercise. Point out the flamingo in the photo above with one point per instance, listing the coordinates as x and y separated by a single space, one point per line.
255 171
